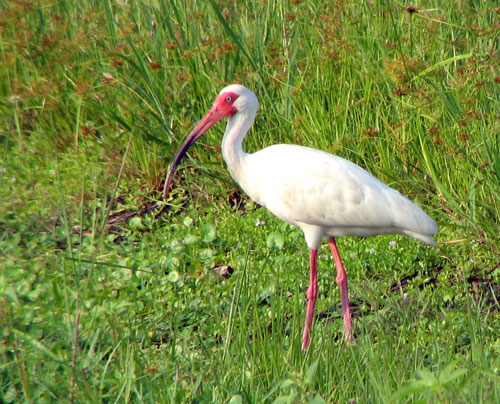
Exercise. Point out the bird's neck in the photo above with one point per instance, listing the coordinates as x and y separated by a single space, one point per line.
232 142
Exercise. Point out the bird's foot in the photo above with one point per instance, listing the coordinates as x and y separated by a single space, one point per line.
348 337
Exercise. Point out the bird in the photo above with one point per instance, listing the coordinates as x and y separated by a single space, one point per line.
325 196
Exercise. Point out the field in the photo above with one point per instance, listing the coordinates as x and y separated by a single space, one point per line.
109 293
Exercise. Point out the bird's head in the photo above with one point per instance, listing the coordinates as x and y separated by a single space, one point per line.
231 100
243 98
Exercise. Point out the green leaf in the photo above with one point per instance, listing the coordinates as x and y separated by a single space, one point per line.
236 399
427 378
311 370
206 253
7 364
11 294
173 276
317 400
448 374
442 63
136 223
11 394
275 241
208 233
37 344
411 388
286 383
191 239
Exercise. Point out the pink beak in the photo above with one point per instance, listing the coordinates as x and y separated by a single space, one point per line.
210 119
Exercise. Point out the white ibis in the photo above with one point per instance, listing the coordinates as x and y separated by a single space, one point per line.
322 194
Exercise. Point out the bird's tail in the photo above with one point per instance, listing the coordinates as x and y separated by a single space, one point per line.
427 239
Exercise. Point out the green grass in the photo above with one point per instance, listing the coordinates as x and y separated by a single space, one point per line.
103 301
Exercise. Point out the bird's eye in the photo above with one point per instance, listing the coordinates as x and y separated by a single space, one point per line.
229 99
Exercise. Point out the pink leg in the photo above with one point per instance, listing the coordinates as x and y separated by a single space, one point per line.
312 293
342 282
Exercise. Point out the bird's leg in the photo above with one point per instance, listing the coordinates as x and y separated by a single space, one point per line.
312 293
342 282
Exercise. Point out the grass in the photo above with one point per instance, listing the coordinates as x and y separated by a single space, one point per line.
103 301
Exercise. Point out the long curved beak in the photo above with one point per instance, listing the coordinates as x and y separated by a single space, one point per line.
210 119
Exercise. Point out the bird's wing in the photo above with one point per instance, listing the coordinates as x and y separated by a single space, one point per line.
299 184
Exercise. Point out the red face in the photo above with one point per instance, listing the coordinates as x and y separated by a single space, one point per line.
225 101
222 108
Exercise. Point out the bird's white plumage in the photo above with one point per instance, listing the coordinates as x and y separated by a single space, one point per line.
324 195
309 187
